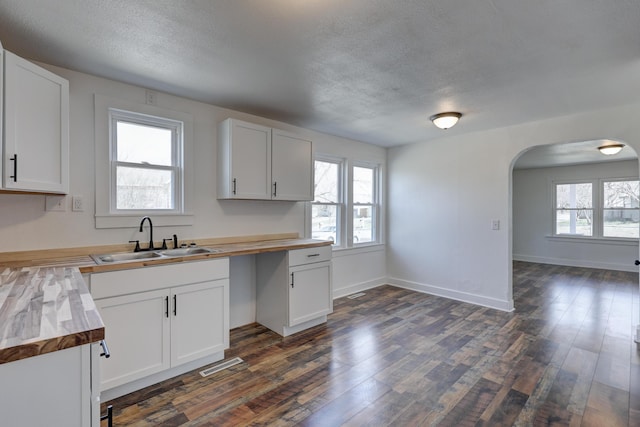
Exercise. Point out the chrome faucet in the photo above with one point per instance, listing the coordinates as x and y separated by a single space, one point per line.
150 248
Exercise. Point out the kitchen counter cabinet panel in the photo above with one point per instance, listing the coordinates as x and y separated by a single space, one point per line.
52 389
160 318
138 337
294 289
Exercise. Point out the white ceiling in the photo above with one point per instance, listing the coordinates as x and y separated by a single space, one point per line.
371 70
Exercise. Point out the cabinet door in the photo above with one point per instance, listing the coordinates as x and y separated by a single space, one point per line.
36 126
292 167
199 320
310 292
137 330
250 163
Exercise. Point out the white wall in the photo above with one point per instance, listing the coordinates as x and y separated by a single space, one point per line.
443 195
24 224
533 222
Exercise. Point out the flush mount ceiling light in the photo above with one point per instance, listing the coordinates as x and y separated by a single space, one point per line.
445 120
610 149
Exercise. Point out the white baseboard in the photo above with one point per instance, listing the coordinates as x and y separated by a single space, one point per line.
359 287
503 305
576 263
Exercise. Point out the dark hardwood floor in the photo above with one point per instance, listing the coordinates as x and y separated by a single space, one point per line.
394 357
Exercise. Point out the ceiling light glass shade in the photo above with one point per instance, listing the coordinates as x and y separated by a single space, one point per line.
610 149
445 120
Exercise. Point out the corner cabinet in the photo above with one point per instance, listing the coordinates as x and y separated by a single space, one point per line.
159 318
294 289
60 387
260 163
35 145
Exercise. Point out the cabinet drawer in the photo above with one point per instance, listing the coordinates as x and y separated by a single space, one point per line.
309 255
124 282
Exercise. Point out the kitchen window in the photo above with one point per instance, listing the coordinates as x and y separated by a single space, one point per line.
365 204
617 214
146 163
143 164
327 207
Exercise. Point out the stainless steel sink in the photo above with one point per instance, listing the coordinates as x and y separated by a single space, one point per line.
187 251
135 256
124 257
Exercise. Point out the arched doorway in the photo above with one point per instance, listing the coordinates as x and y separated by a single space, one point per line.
599 234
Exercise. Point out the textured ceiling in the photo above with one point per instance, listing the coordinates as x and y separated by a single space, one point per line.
370 70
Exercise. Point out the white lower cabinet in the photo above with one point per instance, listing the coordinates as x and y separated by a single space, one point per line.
59 386
294 289
150 331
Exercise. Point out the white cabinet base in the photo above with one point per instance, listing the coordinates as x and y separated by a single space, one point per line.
160 376
286 330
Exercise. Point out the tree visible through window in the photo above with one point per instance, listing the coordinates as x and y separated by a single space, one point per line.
620 215
146 158
326 208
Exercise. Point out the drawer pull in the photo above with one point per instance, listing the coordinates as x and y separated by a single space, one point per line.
105 349
312 255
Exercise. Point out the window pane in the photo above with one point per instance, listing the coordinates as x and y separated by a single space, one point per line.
326 182
621 223
573 196
577 222
621 194
324 222
144 188
362 224
143 144
362 185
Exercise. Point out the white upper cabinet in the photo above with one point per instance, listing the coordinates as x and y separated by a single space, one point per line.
259 163
291 167
36 128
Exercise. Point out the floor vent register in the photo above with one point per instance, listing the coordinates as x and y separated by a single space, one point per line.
221 366
358 295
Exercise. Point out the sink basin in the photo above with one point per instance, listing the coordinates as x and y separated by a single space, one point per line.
188 251
124 257
135 256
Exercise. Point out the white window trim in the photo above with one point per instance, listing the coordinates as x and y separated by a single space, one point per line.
104 216
376 205
597 195
341 205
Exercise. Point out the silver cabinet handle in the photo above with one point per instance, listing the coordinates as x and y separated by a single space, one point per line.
105 349
312 255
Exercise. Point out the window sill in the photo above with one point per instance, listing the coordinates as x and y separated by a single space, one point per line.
360 249
594 240
133 220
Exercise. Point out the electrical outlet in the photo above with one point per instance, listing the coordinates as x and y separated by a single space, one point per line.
55 204
495 224
151 97
78 204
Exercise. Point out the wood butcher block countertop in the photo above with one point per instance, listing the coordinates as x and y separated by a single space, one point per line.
45 305
44 310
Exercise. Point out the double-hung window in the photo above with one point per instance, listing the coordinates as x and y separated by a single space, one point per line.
601 208
574 209
327 207
365 204
620 211
146 163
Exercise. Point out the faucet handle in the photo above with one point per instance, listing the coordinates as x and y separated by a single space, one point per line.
137 242
164 243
